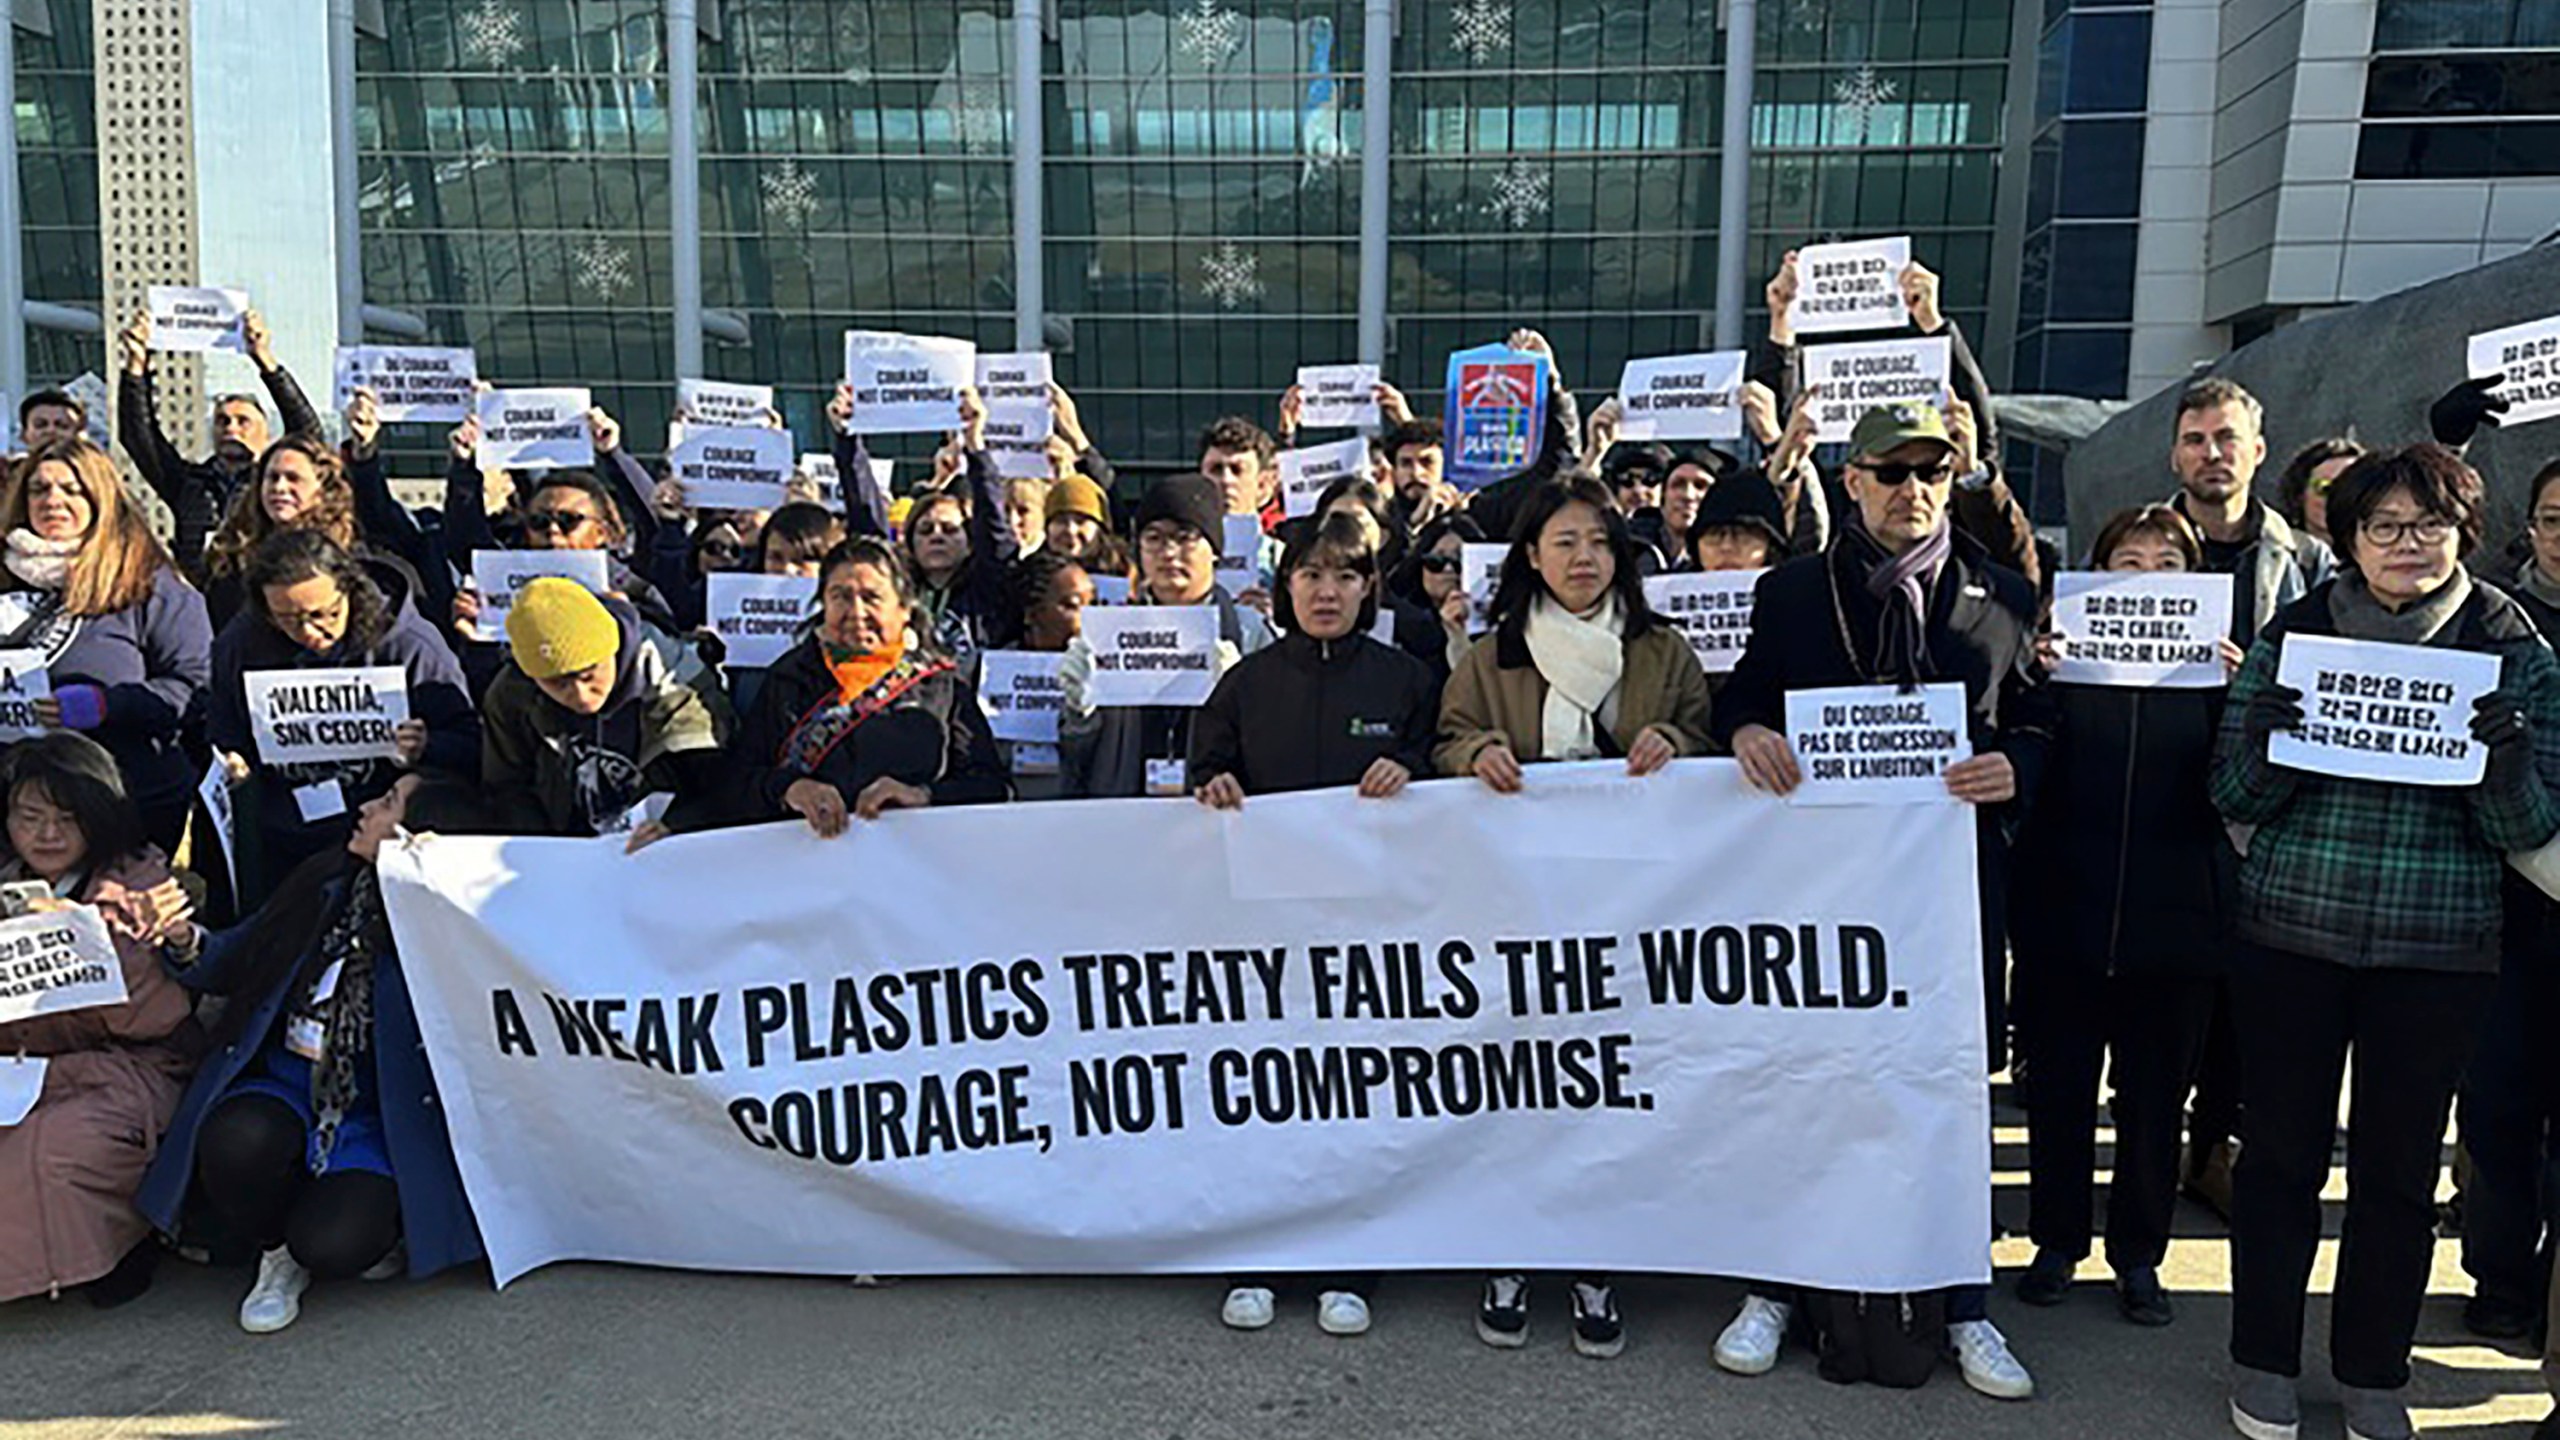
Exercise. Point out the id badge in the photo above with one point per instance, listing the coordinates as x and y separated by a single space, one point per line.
324 801
306 1037
1165 777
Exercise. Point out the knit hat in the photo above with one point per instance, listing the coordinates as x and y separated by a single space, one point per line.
556 628
1745 501
1193 500
1078 495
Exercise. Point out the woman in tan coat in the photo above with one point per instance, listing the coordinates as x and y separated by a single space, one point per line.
1577 667
107 1078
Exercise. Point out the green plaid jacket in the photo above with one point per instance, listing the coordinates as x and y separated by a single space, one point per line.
2365 873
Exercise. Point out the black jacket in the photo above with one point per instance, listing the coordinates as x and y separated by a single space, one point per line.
934 736
197 492
2123 865
1305 714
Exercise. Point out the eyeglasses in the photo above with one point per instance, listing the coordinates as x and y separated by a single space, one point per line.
1166 541
2546 522
1893 473
556 522
1439 564
2387 534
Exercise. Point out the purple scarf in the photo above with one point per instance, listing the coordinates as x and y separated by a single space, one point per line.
1901 582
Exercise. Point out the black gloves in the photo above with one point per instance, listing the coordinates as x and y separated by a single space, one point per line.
2278 707
2498 722
2459 413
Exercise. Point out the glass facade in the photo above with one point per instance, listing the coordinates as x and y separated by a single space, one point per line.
2084 187
58 187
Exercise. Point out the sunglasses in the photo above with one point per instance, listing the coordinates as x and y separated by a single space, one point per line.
1439 564
556 522
1895 472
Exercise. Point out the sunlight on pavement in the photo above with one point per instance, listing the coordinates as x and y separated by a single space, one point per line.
133 1427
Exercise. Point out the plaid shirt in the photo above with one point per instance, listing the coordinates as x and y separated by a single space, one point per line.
2371 874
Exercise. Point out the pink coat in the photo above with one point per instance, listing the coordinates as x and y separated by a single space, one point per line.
68 1171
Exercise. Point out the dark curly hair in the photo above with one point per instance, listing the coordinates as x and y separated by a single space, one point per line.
290 557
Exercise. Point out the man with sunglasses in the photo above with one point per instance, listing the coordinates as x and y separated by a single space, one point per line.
1903 597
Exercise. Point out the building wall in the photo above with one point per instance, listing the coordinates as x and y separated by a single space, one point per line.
58 183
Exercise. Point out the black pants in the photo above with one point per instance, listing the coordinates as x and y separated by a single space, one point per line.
2411 1032
2149 1031
2509 1102
251 1168
2215 1116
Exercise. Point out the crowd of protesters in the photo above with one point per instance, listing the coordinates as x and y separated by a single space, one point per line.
2219 939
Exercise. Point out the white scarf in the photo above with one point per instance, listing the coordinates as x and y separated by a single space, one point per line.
45 564
1581 658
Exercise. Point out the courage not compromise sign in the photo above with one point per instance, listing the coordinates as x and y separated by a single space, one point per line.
1197 1041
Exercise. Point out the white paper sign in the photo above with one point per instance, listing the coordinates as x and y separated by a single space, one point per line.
1854 285
2128 627
1850 380
91 392
1109 589
23 681
1479 575
1017 439
906 383
2374 711
1338 396
758 616
1152 654
535 430
820 470
1877 744
732 467
1021 375
197 319
725 402
215 791
1682 397
1240 563
1712 609
57 962
499 574
1019 691
21 1085
2529 356
319 716
411 384
1304 473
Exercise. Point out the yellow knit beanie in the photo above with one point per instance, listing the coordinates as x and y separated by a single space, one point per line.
556 628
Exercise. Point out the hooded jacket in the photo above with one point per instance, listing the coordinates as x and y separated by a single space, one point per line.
551 772
1305 714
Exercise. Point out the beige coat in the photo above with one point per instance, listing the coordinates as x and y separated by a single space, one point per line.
1497 694
113 1077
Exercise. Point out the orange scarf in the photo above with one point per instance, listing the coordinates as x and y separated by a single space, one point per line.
860 670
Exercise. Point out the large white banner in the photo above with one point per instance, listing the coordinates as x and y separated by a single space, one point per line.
1660 1024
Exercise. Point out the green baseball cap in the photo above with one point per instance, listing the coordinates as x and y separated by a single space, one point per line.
1888 426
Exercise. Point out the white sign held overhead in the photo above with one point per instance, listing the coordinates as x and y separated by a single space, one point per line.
906 384
411 384
311 717
1850 380
2375 711
1682 397
536 429
2529 357
195 319
1853 285
724 402
758 617
1305 473
1337 397
498 574
1712 609
728 467
1152 654
1877 744
1017 439
2137 628
1020 375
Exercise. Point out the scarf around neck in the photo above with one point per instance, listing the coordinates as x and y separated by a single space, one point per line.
858 670
2359 616
1582 658
45 564
1901 583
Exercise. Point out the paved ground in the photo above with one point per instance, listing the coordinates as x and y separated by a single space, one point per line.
596 1351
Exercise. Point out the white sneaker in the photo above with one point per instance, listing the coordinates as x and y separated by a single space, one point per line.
393 1265
1248 1307
1982 1352
1339 1312
1749 1346
276 1300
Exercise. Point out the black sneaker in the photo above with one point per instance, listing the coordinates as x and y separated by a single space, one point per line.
2142 1299
2048 1279
2491 1318
1502 1321
1597 1330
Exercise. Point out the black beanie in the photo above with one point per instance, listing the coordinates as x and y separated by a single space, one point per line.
1193 500
1745 499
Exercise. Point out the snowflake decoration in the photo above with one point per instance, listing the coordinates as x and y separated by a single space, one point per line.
492 33
790 194
1230 276
1861 93
1481 27
1210 32
1520 193
603 267
2035 270
858 75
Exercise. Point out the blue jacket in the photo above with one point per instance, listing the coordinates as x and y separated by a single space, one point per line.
435 1217
152 659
